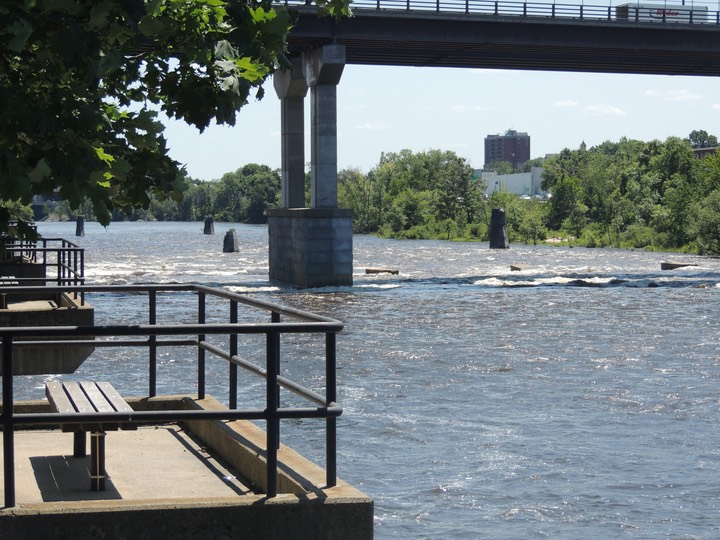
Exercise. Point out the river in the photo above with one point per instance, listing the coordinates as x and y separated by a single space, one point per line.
577 398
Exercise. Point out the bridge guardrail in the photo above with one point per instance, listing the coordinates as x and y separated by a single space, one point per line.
526 9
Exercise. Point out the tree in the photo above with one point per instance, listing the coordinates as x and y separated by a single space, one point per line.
699 138
82 81
532 221
355 191
500 167
705 226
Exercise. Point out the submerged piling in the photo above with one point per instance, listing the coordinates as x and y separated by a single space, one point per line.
230 242
498 232
209 226
80 226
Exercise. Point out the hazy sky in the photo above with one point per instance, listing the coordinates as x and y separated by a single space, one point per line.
386 109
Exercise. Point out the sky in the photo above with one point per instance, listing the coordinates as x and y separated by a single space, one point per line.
387 109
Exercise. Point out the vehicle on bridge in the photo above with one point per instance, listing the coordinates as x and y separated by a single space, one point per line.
662 13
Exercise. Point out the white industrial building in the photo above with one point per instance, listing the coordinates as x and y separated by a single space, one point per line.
527 183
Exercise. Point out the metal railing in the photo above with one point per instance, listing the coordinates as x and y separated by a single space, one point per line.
153 336
581 12
63 261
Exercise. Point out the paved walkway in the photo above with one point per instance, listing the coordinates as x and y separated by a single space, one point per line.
155 462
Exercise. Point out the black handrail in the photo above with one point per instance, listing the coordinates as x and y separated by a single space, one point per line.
182 335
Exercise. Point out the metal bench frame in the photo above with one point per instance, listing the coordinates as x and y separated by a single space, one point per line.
73 397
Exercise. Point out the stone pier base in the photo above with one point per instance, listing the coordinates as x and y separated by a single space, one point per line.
311 247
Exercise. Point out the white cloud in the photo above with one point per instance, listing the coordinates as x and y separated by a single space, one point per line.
603 110
565 103
674 95
715 107
681 95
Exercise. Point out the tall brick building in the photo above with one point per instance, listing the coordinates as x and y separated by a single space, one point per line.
513 147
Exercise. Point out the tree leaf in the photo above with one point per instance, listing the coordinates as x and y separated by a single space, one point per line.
21 30
40 171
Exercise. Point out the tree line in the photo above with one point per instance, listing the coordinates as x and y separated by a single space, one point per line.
630 193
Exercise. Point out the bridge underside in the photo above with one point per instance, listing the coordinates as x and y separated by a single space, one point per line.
400 38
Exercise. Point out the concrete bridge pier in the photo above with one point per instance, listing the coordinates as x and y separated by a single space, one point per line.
291 88
311 247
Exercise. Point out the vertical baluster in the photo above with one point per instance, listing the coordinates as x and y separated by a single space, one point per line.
8 424
331 397
273 423
201 351
152 347
233 377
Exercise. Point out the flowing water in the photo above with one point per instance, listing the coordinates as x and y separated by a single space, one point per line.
577 398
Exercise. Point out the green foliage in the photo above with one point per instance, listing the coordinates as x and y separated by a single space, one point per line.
699 138
500 167
82 81
431 194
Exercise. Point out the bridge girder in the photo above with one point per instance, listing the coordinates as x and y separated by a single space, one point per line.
382 37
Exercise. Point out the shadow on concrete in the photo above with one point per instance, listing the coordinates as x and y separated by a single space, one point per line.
208 461
67 478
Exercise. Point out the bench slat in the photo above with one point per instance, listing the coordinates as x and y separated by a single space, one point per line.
115 399
78 397
96 397
58 398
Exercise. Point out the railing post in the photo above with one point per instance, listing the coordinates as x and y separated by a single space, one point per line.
273 423
152 348
331 397
496 8
524 9
201 351
581 11
553 11
407 4
233 377
82 276
60 254
7 423
275 318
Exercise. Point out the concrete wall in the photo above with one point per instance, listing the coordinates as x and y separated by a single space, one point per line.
311 247
38 360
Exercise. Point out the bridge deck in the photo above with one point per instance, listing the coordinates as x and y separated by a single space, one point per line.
515 39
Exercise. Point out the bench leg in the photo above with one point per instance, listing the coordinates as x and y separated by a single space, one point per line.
97 461
79 444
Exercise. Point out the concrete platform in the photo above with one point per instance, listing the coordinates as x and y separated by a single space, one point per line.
201 479
155 462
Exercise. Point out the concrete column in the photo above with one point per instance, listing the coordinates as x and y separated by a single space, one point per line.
291 88
323 68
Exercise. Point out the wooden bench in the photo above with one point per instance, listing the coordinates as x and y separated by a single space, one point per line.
89 397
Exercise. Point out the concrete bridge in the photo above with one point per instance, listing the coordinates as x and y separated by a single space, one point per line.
312 247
